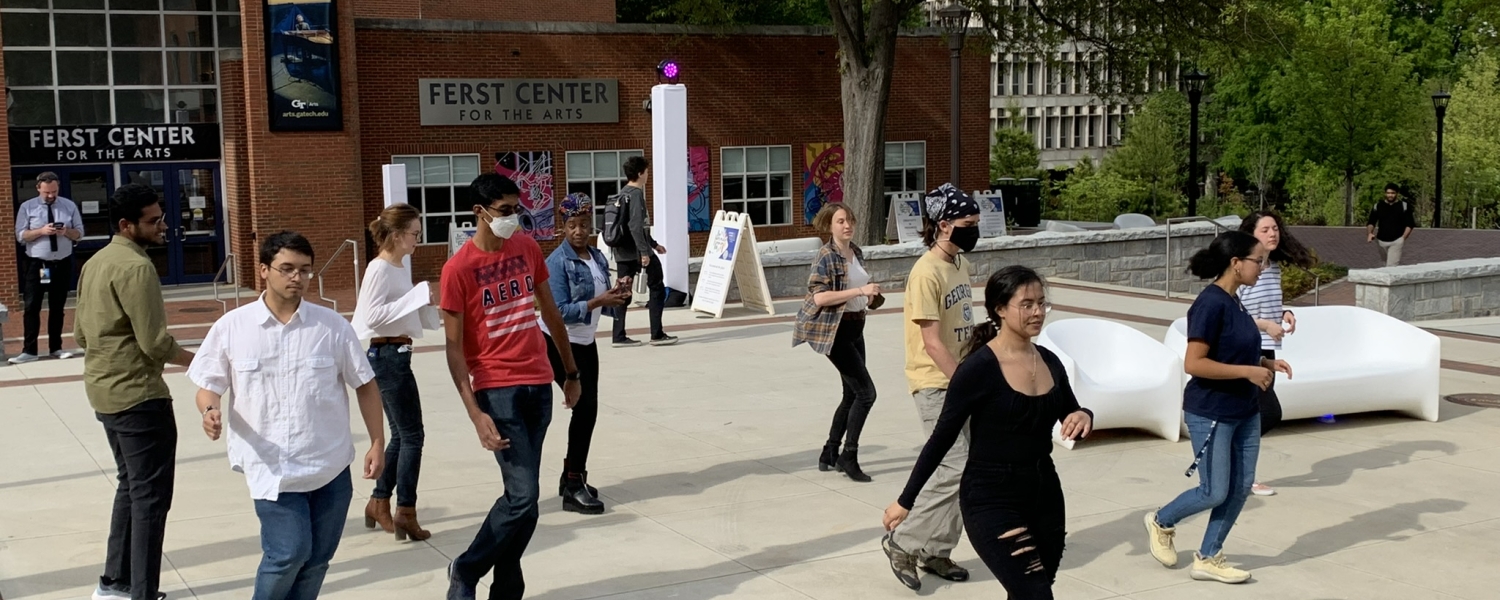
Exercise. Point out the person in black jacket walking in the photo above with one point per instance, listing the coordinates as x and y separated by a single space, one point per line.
1390 223
640 253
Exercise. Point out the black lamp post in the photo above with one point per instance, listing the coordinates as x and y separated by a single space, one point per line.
1440 104
954 19
1195 81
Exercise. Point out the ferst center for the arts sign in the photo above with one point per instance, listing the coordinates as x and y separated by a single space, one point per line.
518 101
112 143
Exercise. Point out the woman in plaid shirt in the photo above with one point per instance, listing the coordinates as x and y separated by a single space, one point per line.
832 323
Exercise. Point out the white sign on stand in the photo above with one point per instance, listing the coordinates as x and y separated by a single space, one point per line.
731 256
458 234
991 213
906 213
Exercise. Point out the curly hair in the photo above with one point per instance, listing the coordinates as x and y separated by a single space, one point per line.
1289 251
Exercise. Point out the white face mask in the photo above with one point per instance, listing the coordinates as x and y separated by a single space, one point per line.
504 227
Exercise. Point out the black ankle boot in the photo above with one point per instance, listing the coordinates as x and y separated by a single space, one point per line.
848 464
577 498
829 456
562 481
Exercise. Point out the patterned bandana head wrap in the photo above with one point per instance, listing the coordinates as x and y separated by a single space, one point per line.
576 204
948 203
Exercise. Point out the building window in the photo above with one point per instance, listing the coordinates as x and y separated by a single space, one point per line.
599 175
758 182
1002 69
905 167
438 187
1031 68
135 62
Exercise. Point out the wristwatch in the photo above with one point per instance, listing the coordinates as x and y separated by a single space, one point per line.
211 408
574 376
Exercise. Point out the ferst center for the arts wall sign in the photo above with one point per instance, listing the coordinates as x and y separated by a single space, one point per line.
112 143
518 101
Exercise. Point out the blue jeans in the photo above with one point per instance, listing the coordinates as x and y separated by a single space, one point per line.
299 533
403 408
521 415
1224 477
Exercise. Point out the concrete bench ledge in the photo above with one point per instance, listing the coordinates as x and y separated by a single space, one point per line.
1422 273
1457 289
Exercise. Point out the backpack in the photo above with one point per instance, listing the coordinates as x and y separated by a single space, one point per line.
616 227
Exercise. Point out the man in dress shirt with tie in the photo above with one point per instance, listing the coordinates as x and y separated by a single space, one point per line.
288 363
47 225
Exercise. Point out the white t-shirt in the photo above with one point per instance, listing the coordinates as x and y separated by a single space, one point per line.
858 278
388 302
583 333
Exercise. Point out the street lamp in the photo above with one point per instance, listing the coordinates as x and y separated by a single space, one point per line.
1440 104
954 19
1195 81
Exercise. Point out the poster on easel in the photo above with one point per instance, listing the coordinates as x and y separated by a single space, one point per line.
731 256
458 235
906 216
991 213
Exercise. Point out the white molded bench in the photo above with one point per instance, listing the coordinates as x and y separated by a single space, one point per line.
1350 360
1128 379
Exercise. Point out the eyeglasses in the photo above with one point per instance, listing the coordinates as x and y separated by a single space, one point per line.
505 210
291 273
416 235
1031 307
1263 262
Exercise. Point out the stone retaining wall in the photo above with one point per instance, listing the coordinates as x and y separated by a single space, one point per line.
1134 258
1455 289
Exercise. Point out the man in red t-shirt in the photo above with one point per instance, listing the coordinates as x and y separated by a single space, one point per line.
491 290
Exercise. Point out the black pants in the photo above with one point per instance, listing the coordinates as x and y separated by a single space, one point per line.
996 499
848 356
657 301
403 409
1270 405
143 439
586 412
57 301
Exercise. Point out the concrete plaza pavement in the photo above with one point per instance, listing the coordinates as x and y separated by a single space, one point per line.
706 456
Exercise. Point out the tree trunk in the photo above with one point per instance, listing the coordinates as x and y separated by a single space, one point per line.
865 93
1348 197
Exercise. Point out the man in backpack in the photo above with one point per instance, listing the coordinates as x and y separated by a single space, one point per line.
1390 223
636 254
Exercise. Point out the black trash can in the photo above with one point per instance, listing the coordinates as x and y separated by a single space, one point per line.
1028 211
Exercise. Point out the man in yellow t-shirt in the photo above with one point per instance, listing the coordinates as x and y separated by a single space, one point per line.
939 320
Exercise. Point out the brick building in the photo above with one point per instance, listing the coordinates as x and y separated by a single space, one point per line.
179 94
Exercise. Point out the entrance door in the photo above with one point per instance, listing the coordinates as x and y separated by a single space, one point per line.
190 198
88 186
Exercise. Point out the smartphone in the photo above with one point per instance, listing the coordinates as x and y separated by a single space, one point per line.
59 225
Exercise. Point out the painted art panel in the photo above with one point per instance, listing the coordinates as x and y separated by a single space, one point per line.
700 213
532 172
823 181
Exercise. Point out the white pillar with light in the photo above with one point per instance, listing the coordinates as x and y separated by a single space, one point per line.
393 179
669 175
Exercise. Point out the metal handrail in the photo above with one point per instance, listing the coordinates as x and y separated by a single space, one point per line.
228 274
336 253
1167 289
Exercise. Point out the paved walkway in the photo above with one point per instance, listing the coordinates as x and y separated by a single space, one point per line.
706 455
1347 246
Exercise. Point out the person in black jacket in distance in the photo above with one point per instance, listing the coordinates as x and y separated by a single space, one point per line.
638 254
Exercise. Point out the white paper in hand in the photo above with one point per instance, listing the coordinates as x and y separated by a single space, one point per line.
1057 436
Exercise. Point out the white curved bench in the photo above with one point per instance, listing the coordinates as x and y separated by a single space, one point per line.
1134 221
807 244
1128 379
1348 360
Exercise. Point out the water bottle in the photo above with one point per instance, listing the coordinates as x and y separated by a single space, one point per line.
46 275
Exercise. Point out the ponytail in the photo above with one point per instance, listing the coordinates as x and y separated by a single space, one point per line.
984 333
391 221
929 231
1211 262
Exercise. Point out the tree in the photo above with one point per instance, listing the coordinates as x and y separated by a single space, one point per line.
1153 153
1473 150
1348 93
1014 154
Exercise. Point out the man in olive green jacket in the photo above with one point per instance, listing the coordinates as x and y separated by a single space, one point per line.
121 321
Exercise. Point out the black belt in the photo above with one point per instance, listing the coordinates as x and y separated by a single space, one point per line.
50 262
390 341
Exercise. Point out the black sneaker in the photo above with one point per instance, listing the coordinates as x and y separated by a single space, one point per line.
665 340
903 565
945 568
457 588
626 343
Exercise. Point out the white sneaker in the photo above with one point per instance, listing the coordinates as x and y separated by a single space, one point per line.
1260 489
1160 541
23 358
64 354
113 592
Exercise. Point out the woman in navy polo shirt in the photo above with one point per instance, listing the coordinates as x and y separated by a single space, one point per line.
1222 405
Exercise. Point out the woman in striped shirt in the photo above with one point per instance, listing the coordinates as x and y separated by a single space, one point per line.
1264 302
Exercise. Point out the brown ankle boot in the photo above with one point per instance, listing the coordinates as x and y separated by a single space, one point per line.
378 512
406 525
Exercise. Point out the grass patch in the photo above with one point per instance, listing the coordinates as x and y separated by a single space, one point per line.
1295 282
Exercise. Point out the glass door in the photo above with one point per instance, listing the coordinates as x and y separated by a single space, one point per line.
191 200
87 186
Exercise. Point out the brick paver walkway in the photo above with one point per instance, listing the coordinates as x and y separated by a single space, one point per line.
1346 245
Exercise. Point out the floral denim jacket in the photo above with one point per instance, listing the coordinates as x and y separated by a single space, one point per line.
573 284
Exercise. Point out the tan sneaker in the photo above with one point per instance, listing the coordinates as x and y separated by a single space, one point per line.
1162 548
1217 569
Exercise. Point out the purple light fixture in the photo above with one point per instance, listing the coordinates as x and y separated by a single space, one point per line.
667 71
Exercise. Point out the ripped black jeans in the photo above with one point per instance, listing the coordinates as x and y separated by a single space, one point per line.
1016 521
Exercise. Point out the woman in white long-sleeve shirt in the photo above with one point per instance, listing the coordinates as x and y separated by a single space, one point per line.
388 316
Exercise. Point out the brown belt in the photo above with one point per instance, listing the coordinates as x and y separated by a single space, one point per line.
854 316
390 341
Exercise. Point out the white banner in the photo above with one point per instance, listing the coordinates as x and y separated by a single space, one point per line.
991 213
906 212
731 256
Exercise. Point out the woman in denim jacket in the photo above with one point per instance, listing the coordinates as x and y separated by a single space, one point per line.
832 323
581 287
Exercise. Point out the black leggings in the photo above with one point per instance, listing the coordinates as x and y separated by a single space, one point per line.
848 356
586 412
996 500
1270 405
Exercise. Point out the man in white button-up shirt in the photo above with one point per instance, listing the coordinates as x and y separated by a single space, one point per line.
47 226
287 362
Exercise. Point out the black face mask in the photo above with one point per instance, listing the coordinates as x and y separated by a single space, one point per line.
965 237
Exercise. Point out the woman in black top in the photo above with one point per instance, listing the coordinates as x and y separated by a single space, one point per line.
1011 393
